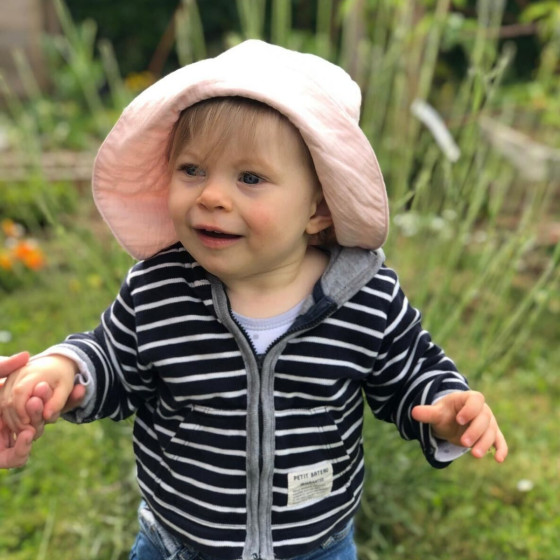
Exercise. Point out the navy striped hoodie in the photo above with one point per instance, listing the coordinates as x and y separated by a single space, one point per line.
242 455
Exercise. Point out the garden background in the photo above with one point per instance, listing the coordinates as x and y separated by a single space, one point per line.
462 106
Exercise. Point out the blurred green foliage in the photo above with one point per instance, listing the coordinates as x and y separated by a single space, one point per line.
467 239
37 205
136 28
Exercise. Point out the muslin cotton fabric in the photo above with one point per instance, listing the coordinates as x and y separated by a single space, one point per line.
131 176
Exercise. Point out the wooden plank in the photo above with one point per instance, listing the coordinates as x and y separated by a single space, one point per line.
22 25
53 166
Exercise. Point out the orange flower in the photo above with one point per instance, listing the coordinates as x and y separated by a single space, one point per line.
34 260
19 252
22 249
6 261
29 254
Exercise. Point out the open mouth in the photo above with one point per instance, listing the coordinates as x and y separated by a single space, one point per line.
217 234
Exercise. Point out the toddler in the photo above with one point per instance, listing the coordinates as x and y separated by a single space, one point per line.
259 319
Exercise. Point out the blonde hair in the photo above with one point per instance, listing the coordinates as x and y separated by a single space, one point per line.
219 119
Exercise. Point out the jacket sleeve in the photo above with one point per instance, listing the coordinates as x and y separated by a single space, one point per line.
109 356
410 370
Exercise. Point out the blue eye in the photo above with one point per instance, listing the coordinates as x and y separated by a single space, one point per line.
191 169
249 178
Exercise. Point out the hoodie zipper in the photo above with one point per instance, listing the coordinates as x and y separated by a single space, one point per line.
267 422
258 542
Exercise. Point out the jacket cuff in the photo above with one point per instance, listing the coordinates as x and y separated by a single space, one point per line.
84 377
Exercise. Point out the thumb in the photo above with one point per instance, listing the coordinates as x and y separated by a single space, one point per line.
55 404
75 399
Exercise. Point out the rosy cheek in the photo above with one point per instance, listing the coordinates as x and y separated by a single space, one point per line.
261 220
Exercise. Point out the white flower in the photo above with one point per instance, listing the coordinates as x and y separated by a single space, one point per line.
525 485
5 336
408 223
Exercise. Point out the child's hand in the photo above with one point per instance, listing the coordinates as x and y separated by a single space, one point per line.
43 393
14 450
57 372
464 418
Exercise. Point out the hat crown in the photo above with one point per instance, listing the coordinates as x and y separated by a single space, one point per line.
269 61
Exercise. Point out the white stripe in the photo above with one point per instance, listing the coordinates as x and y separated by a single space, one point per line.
319 398
125 306
210 396
183 339
337 343
207 467
376 293
186 515
145 271
366 309
174 321
306 448
353 327
325 362
197 357
155 285
207 430
314 380
300 431
163 302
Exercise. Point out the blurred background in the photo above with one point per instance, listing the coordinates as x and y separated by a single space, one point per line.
461 102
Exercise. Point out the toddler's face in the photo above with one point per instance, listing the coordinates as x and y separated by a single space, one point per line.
245 211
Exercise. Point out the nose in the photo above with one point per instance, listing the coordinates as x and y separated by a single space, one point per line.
215 195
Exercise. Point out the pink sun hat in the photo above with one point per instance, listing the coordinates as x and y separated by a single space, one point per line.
131 178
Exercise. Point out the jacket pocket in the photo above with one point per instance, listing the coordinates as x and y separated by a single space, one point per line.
202 471
311 461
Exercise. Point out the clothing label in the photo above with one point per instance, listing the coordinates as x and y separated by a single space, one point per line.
312 484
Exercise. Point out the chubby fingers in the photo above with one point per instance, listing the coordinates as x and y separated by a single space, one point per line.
51 409
17 452
9 364
491 438
477 427
464 418
14 407
55 405
501 447
483 434
472 406
35 406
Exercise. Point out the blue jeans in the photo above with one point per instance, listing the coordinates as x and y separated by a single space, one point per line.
155 543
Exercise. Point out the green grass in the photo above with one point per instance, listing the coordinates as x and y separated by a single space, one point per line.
475 509
467 244
77 496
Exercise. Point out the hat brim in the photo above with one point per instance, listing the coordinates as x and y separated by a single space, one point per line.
131 176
